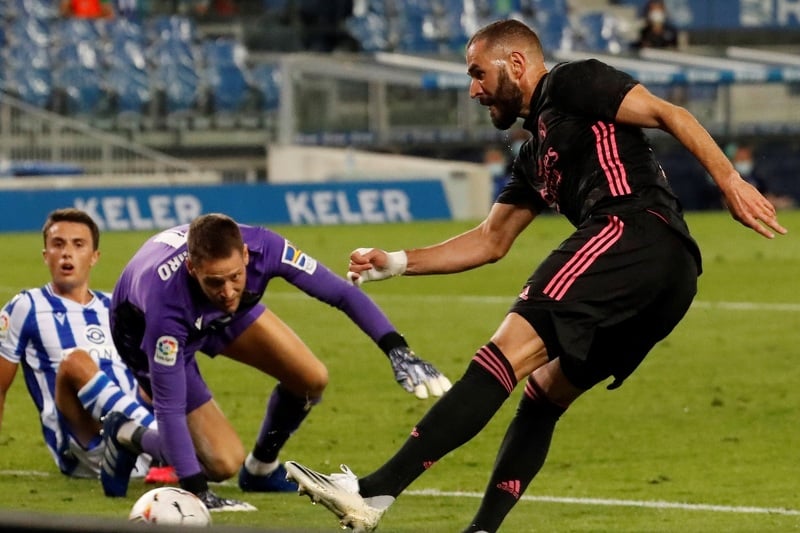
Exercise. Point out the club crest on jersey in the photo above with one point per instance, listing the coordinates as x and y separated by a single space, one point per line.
5 323
166 351
95 335
297 258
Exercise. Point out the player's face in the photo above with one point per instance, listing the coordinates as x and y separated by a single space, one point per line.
492 86
223 280
70 255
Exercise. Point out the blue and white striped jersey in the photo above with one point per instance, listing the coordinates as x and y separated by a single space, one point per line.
37 328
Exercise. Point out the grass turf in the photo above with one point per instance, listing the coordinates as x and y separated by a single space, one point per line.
709 419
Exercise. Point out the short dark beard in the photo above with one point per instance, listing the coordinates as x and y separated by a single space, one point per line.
507 101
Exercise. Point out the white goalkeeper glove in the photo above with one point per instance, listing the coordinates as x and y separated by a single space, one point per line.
395 264
416 375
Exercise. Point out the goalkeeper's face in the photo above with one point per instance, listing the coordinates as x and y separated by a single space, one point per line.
222 280
70 255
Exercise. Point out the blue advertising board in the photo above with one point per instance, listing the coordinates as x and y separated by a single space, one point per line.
150 208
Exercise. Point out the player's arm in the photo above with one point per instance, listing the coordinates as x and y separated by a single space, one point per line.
415 375
8 371
641 108
486 243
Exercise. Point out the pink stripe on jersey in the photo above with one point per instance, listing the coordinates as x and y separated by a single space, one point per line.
584 258
608 157
490 361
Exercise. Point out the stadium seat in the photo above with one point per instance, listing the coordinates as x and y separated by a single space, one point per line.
32 85
266 78
230 93
599 32
370 31
82 89
131 95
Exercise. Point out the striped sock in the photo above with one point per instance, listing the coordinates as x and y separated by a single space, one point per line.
100 396
453 420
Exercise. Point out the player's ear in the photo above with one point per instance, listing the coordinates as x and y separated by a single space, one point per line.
190 268
517 64
245 254
95 257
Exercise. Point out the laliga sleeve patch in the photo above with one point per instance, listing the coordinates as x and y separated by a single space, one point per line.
166 351
295 257
5 323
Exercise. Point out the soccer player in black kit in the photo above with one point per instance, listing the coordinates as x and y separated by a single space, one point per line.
596 305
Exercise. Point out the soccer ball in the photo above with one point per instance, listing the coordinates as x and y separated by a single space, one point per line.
170 506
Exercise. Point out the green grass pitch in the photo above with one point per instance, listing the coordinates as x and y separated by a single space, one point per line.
703 437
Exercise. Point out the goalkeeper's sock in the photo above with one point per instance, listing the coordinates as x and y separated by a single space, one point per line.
520 458
285 412
99 396
457 417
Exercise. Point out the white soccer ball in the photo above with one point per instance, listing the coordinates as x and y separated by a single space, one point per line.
170 506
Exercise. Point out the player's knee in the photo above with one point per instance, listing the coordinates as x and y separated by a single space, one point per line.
225 465
77 366
315 382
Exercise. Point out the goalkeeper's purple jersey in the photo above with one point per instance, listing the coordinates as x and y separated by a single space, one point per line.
160 318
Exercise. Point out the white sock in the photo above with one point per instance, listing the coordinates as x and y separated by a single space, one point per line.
259 468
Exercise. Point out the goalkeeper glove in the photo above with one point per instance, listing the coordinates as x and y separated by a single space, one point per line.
396 263
416 375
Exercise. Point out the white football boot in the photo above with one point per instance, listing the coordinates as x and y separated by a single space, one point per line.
339 493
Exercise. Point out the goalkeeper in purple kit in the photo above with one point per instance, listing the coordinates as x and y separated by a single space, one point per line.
198 288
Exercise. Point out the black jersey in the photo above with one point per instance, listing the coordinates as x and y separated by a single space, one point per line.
582 163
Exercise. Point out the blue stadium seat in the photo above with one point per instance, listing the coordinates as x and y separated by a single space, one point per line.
370 31
229 87
266 79
170 28
131 95
38 9
223 51
30 31
82 88
32 85
599 32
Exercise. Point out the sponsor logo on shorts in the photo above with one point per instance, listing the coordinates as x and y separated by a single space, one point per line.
166 351
297 258
5 323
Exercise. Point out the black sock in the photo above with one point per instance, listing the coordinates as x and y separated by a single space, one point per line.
285 412
520 458
457 417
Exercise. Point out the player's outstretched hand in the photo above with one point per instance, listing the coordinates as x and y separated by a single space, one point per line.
415 375
373 264
749 207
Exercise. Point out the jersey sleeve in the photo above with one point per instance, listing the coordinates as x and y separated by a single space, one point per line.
589 87
13 319
165 340
519 189
318 281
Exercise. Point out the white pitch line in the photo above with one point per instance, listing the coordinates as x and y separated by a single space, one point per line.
783 307
611 502
623 503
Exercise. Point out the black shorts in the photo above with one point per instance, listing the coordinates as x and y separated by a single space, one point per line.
608 294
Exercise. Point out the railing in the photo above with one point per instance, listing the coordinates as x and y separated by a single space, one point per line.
31 136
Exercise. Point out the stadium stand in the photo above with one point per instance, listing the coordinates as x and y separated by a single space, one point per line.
172 78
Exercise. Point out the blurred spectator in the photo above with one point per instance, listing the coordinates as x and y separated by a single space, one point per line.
90 9
744 162
215 9
658 31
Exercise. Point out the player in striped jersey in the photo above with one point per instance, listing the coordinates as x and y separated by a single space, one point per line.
60 335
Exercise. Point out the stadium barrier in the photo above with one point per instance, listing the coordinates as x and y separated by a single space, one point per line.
151 207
